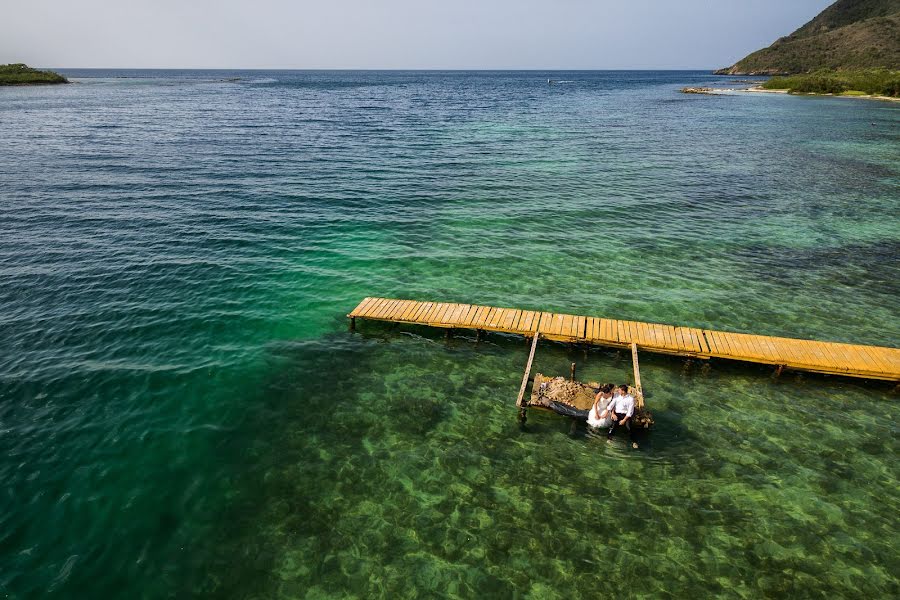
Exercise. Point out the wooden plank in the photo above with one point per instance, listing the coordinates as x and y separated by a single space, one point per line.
759 347
680 342
527 370
373 307
568 327
565 327
634 330
436 311
701 339
393 309
497 318
477 320
673 337
731 346
552 325
580 327
636 336
721 343
417 315
811 355
749 342
695 338
400 309
800 353
447 317
420 310
612 330
465 318
457 313
360 309
767 348
425 316
837 357
518 326
875 357
691 339
381 309
526 323
411 306
423 311
512 319
713 349
738 348
664 335
406 307
815 349
440 314
544 322
485 317
660 335
470 314
770 349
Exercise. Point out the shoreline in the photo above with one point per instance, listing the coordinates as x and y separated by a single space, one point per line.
761 90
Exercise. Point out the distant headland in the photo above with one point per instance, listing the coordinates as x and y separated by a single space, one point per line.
19 74
849 35
852 48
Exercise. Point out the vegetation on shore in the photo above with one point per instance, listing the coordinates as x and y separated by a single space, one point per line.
876 82
849 34
19 74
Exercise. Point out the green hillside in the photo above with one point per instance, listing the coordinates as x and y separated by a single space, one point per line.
849 34
19 74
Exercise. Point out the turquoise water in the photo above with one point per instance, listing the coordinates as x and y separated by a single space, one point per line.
183 411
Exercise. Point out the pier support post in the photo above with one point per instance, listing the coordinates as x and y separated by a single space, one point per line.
637 375
449 334
479 333
572 377
352 323
521 396
778 371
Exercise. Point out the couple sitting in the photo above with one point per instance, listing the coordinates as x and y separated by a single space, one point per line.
619 408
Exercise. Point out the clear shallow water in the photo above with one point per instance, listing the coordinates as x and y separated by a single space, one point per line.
182 410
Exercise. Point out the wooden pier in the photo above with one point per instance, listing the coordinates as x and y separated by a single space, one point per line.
849 360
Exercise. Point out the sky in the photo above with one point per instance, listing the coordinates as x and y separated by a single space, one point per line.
395 34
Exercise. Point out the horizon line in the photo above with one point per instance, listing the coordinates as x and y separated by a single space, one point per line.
423 69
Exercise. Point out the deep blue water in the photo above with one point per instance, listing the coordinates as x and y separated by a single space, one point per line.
183 411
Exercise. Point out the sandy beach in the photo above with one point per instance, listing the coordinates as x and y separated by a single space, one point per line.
756 89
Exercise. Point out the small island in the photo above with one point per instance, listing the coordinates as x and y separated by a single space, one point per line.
19 74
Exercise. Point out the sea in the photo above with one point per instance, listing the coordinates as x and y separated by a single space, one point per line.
184 411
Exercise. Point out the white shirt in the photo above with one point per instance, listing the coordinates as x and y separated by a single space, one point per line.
622 404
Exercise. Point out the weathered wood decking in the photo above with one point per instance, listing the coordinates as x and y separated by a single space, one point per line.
870 362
